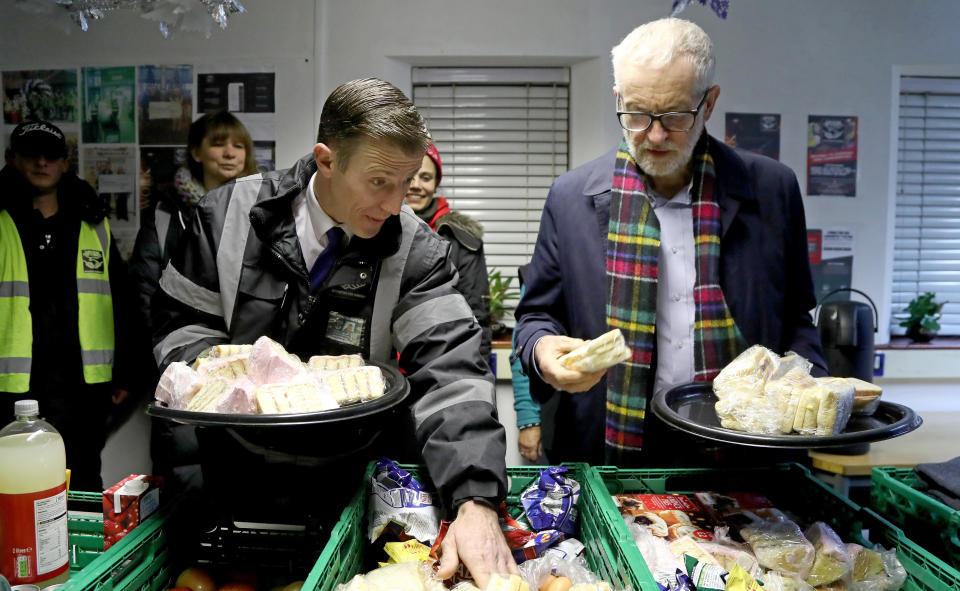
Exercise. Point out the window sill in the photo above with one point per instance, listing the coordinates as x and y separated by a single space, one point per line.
905 360
900 342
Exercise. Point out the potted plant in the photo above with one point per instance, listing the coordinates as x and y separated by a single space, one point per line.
922 312
500 294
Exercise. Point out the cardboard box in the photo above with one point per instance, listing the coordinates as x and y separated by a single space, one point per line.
127 504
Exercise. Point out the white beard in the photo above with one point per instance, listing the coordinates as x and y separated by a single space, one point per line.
675 163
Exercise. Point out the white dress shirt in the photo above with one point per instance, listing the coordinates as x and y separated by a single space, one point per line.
312 224
677 275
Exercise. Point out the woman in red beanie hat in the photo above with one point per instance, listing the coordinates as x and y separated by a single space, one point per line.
464 234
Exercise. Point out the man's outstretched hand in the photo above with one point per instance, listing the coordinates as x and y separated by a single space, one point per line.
475 538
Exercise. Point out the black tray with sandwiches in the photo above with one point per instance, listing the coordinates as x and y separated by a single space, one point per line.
690 408
396 389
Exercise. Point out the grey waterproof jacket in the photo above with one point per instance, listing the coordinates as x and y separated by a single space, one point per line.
240 274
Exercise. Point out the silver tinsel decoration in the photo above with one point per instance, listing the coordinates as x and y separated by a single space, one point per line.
171 15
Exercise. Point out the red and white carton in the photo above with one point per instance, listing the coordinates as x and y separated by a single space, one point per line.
127 504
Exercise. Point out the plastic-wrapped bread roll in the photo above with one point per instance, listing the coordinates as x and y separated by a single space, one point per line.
780 546
831 561
602 352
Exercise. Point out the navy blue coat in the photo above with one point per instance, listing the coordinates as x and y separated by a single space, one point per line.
764 273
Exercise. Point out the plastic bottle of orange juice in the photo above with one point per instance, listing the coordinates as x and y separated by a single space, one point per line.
33 500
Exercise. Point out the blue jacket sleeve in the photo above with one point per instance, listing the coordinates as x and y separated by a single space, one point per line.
528 411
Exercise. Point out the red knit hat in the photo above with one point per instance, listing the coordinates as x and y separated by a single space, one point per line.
435 156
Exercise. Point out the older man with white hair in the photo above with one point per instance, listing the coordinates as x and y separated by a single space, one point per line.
701 248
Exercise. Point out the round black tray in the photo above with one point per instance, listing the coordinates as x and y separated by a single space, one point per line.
396 390
690 409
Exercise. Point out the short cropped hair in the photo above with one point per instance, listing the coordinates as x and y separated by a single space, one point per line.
372 109
660 42
219 125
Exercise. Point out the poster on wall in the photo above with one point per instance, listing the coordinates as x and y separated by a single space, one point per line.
50 95
756 132
831 260
108 108
165 94
832 155
265 154
111 170
158 167
251 97
237 92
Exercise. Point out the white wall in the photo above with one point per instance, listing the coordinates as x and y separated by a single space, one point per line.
796 58
262 37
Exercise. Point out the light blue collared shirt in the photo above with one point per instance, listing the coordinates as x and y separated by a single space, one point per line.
677 275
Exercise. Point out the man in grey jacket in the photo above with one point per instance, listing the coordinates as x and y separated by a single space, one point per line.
325 259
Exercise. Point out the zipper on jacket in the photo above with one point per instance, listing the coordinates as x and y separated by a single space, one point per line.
284 262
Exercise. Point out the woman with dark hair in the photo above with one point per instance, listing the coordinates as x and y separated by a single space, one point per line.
219 149
464 234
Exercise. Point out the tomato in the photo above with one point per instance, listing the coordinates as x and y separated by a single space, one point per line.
243 575
197 579
237 586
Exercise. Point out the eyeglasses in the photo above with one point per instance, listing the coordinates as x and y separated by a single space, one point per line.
672 121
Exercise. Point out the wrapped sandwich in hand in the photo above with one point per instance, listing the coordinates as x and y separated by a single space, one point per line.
602 352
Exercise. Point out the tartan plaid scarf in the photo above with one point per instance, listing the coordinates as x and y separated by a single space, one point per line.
633 248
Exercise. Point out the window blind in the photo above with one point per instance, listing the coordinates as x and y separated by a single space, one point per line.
927 235
502 134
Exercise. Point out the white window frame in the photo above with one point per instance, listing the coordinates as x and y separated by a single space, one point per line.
893 305
505 249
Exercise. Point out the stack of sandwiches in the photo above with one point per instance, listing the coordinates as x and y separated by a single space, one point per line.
264 378
761 392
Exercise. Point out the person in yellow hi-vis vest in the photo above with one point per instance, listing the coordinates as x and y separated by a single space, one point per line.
63 298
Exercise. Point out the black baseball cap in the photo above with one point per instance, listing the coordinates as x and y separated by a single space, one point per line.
38 138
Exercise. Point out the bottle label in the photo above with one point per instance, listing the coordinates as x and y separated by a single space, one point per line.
33 538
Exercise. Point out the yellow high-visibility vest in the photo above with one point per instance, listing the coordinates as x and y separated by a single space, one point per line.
95 312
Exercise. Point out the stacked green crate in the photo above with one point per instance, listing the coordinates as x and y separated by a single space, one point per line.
791 488
84 529
611 553
138 561
151 556
897 494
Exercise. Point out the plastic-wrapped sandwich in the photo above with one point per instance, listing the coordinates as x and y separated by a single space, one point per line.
602 352
355 384
866 396
760 392
225 396
334 362
297 397
220 352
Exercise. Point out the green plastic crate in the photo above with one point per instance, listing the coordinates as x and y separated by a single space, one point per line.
137 562
155 552
84 528
793 488
897 494
610 553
